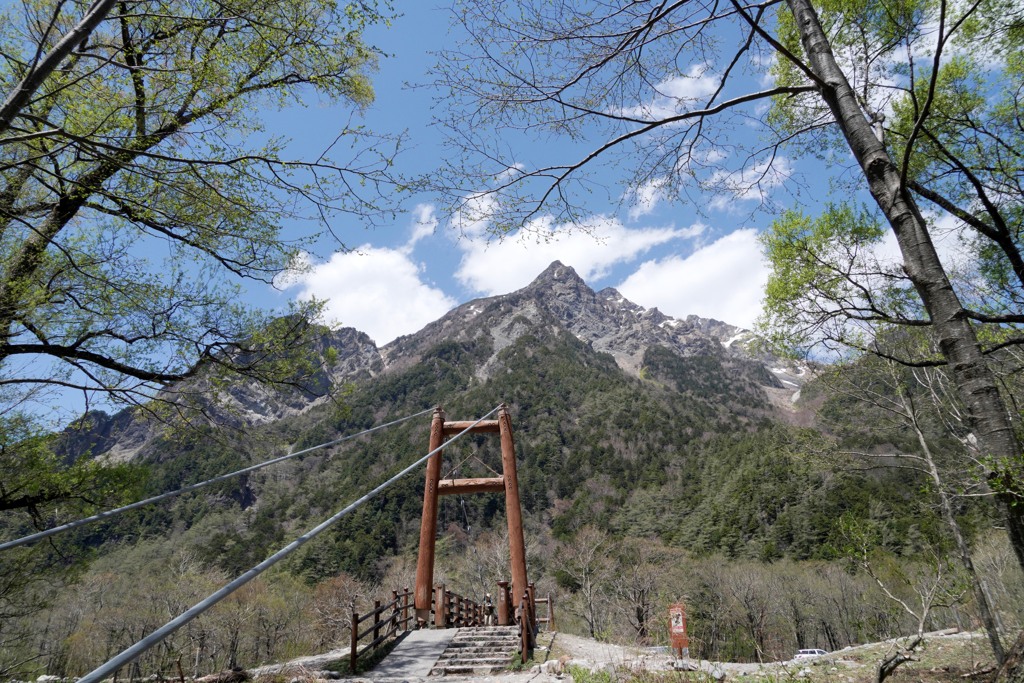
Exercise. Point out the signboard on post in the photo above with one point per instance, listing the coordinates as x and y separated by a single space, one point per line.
677 630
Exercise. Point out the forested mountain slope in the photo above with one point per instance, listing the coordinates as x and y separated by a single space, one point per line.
625 419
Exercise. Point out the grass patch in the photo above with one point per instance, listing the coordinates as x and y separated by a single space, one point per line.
582 675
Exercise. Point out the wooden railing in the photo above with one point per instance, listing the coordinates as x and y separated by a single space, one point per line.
450 610
385 621
549 620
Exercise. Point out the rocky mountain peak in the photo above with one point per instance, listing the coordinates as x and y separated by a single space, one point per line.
559 298
557 276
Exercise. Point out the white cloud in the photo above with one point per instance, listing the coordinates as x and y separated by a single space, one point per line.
724 280
950 236
750 182
765 64
378 291
646 197
676 95
500 267
474 215
424 223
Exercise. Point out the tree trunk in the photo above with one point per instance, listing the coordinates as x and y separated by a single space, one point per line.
985 610
956 339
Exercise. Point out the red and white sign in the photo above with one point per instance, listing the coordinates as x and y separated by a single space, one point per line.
677 629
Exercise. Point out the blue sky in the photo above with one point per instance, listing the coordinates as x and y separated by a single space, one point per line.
401 276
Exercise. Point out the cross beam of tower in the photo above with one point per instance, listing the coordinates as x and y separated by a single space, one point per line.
508 483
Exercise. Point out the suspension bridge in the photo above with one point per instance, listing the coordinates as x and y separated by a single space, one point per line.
441 632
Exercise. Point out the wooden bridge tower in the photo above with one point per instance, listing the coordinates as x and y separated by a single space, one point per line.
508 483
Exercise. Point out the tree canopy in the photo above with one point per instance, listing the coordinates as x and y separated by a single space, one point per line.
138 186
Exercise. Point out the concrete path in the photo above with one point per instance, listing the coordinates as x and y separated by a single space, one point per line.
414 656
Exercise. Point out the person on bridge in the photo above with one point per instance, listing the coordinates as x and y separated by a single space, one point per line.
488 611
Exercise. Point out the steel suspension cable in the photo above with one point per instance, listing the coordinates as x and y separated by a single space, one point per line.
192 487
130 654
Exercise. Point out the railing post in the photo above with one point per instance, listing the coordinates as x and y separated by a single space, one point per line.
551 613
503 610
353 654
376 619
531 601
395 607
405 609
524 610
440 606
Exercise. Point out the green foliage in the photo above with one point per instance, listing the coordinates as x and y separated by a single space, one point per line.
827 287
40 489
580 674
121 254
688 456
36 478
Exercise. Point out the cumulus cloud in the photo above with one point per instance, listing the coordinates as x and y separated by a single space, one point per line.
723 280
499 267
378 291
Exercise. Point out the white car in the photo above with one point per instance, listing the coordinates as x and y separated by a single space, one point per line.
810 653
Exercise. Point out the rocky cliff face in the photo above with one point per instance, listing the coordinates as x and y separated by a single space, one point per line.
353 357
557 301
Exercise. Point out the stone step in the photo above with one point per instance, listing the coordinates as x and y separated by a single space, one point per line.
479 658
492 642
478 651
470 651
463 668
466 670
469 654
485 637
489 629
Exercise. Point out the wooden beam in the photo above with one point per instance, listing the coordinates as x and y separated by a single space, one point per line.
486 426
449 487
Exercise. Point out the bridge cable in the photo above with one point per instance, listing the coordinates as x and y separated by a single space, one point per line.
130 654
192 487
